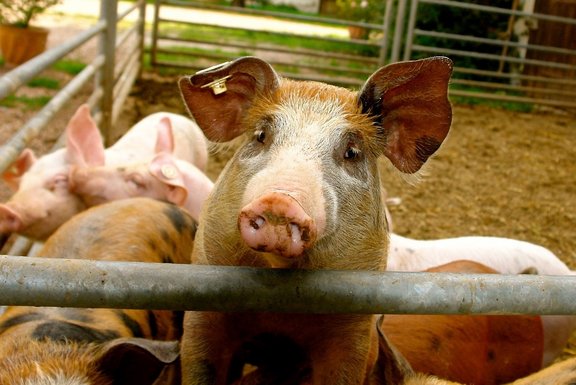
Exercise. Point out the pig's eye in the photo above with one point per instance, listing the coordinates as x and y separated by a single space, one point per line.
260 136
59 182
352 153
136 181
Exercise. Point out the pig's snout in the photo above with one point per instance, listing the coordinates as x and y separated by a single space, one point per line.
277 223
10 220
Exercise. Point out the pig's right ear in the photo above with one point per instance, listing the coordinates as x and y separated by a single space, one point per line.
137 360
409 103
83 140
218 97
22 164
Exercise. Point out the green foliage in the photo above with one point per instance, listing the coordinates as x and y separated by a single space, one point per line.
465 22
25 101
368 11
20 13
41 82
71 67
222 35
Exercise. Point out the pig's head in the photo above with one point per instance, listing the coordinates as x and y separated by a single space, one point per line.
42 200
304 190
99 183
164 178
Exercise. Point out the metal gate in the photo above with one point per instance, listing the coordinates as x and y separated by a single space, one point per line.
509 65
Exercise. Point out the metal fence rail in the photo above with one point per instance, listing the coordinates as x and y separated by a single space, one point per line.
298 63
525 71
86 283
514 60
112 79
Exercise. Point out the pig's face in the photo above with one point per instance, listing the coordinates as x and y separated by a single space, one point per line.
310 152
42 202
101 184
304 190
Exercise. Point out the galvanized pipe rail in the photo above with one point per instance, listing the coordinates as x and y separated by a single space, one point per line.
543 94
87 283
18 142
311 72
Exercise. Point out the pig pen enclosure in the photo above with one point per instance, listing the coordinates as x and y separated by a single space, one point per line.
501 172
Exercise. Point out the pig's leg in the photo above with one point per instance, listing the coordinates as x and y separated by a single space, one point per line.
347 354
207 349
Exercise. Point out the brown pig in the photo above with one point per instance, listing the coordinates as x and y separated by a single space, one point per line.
472 349
469 349
559 373
102 346
304 192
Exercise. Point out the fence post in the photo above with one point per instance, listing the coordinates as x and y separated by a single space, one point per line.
142 33
105 79
410 32
153 53
398 31
386 33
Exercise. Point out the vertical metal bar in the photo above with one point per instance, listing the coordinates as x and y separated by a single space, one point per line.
410 32
153 49
108 12
509 30
399 30
142 34
386 33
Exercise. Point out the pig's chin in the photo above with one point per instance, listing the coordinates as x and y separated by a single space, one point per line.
277 261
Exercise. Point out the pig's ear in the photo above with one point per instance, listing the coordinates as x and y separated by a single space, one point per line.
164 137
409 103
166 171
218 97
22 164
83 140
137 360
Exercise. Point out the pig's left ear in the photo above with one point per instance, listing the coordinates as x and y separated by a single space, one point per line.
137 360
164 136
165 170
218 97
409 103
13 174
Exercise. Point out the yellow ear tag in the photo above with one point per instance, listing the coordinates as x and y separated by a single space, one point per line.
169 171
218 86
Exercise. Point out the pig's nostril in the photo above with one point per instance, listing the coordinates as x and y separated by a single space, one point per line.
257 222
294 231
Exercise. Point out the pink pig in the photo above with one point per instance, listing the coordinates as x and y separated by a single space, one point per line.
165 178
43 201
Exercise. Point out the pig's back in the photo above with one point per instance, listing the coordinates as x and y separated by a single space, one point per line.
507 256
135 229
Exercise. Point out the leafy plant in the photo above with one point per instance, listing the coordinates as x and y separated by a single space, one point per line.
43 82
368 11
71 67
19 13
